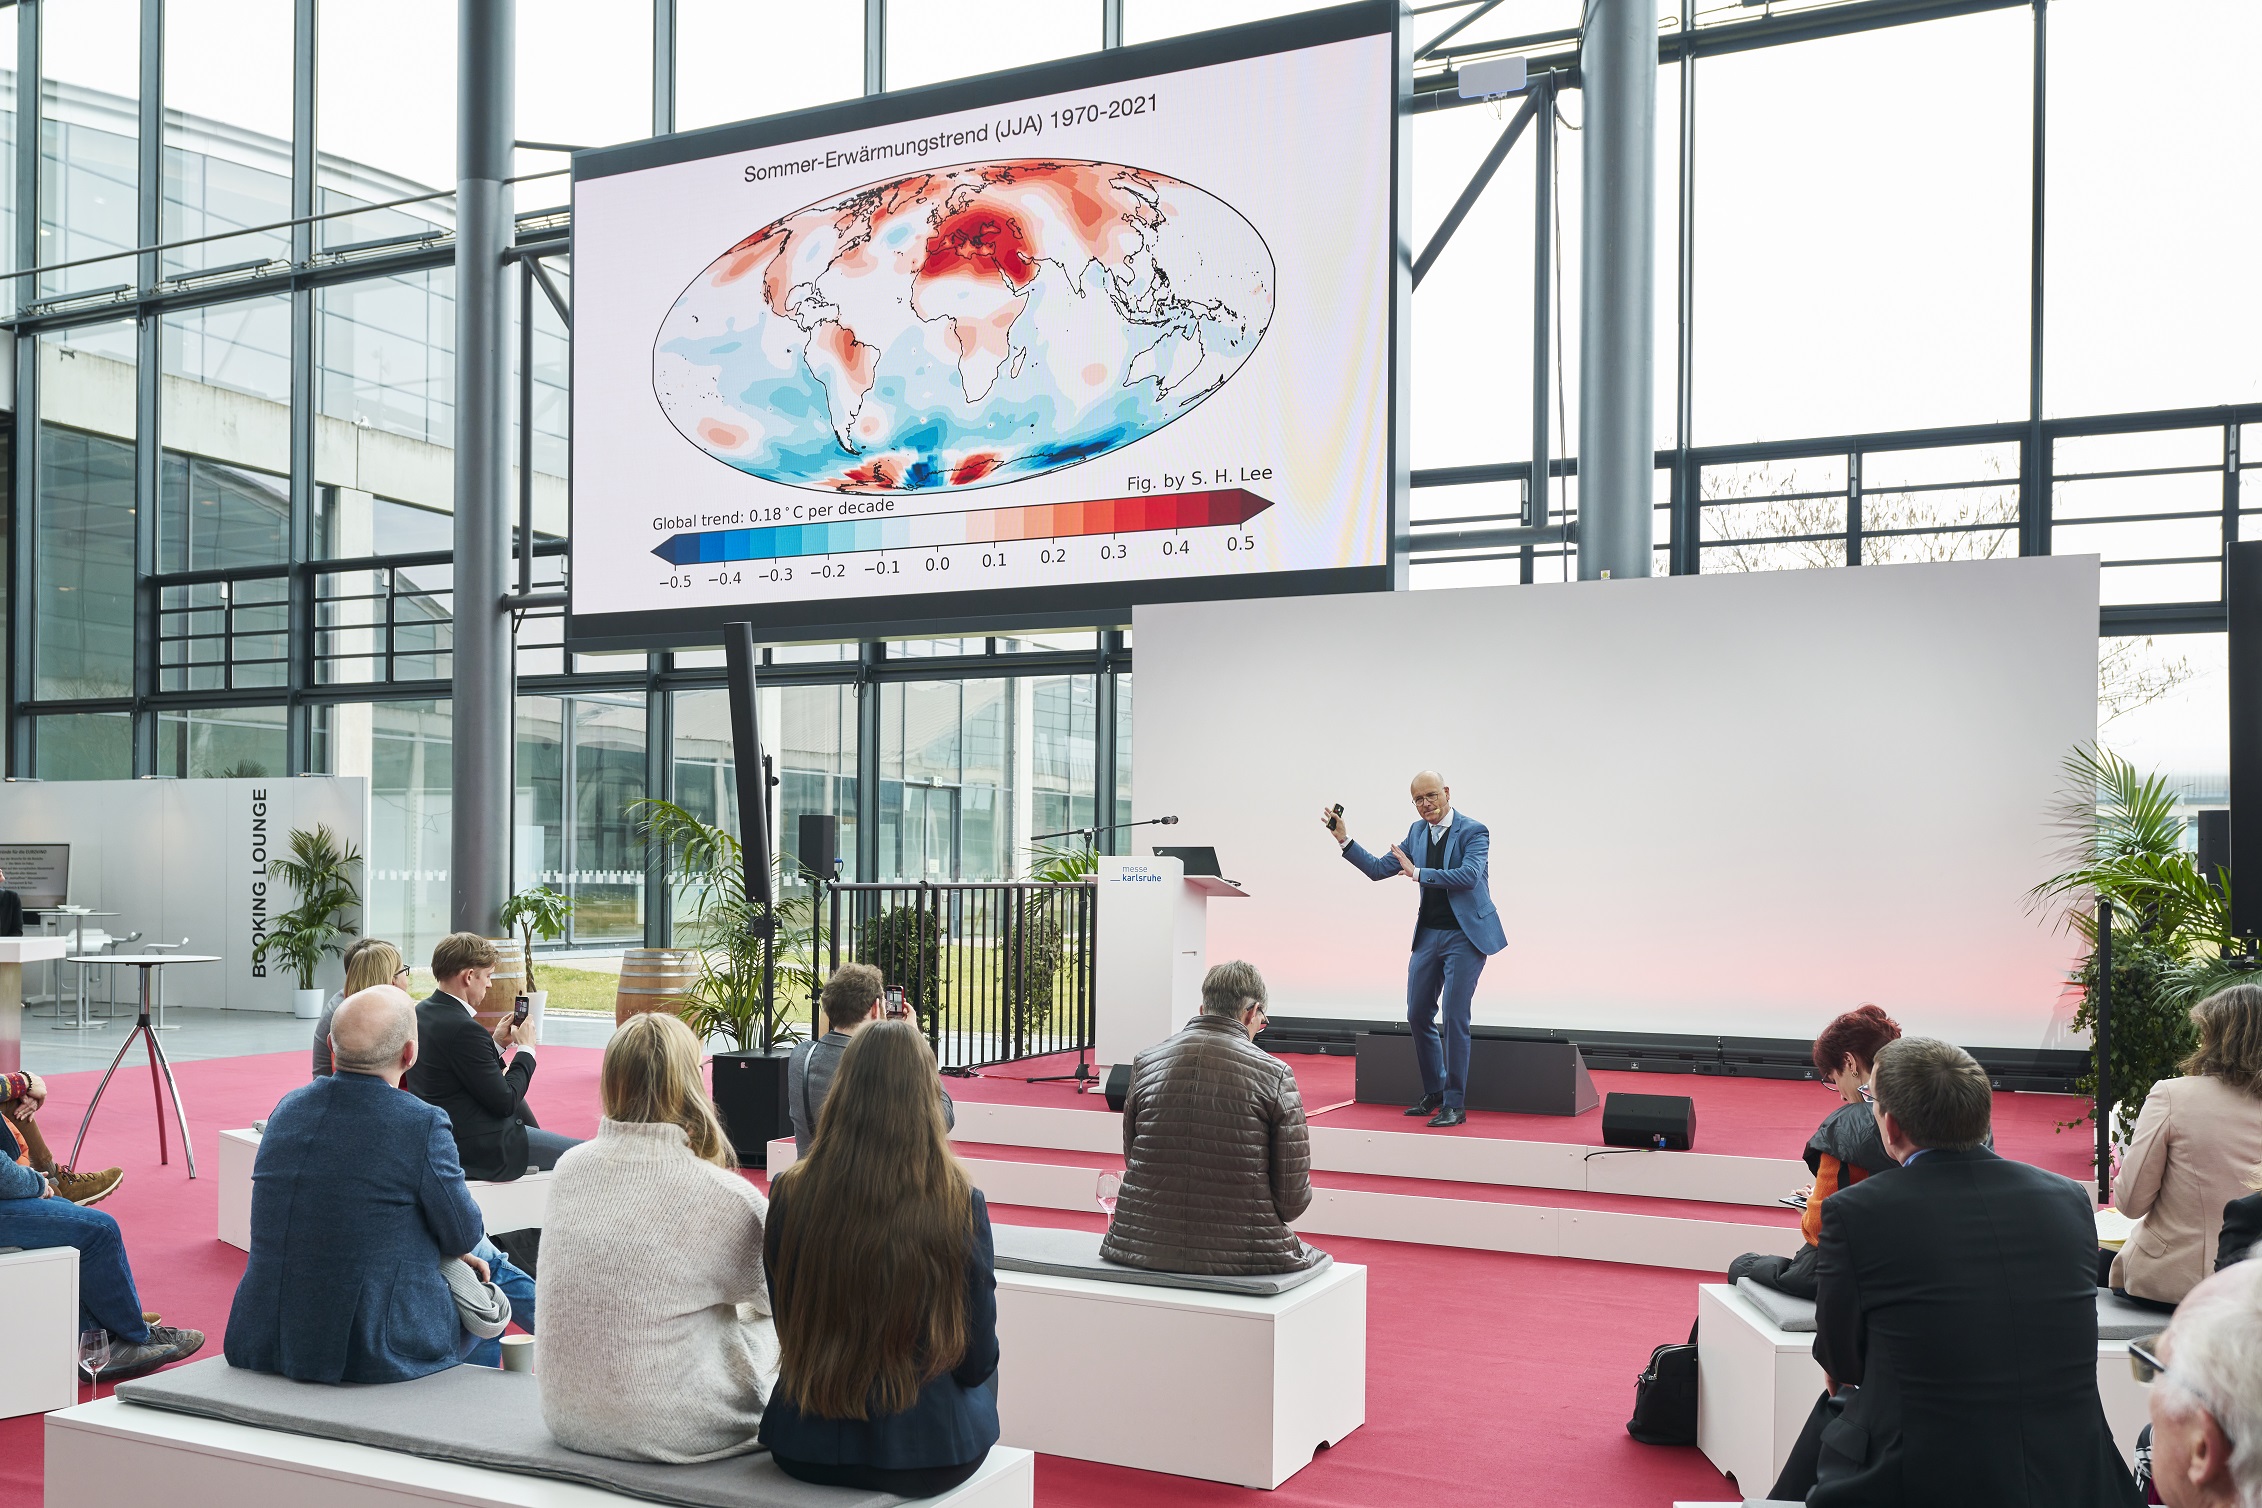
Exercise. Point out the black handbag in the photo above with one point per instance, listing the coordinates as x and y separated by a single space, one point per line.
1665 1396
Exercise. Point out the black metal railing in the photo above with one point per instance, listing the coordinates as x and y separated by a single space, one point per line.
993 971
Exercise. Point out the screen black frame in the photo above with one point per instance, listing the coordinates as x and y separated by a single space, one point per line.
1085 604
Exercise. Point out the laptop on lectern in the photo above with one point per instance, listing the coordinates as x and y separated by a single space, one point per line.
1198 862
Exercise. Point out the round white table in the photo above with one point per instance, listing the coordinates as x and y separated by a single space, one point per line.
160 1067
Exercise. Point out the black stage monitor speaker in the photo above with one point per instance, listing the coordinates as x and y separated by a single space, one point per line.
1118 1087
820 843
1663 1121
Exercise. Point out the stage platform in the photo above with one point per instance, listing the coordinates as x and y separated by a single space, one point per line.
1543 1185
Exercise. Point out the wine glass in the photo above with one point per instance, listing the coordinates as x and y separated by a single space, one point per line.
1110 1185
94 1355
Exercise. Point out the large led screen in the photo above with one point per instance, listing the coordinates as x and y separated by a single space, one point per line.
1027 348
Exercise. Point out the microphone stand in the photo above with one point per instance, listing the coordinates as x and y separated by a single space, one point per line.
1083 1078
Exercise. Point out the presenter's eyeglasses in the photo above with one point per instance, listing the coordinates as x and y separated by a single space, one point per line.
1429 799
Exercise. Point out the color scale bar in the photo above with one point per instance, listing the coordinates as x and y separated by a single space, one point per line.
1116 515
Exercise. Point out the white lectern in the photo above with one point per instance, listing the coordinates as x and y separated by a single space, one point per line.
15 952
1153 933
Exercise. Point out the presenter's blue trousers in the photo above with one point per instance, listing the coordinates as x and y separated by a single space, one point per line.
1442 972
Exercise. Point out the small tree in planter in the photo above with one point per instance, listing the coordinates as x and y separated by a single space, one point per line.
539 912
729 1000
319 868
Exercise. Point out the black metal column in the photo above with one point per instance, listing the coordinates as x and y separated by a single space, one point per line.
149 359
300 753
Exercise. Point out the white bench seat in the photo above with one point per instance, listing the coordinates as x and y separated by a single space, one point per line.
114 1454
520 1204
39 1294
1757 1382
1227 1387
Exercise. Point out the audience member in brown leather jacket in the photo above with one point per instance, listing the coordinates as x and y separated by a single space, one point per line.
1217 1160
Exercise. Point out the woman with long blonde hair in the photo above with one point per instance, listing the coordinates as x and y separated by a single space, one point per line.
882 1276
656 1342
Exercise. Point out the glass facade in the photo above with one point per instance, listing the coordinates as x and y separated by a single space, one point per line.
230 460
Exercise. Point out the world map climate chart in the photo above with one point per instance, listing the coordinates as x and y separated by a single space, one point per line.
950 331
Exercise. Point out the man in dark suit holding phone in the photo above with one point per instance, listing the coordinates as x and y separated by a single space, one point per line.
1446 853
1956 1314
460 1067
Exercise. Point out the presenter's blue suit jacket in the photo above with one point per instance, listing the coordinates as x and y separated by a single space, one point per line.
356 1197
1464 876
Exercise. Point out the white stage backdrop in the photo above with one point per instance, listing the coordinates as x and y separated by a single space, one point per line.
188 858
1720 804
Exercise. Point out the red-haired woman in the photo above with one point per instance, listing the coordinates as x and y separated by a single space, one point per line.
1844 1149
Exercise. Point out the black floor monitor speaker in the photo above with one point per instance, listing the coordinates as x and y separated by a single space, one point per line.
1663 1121
1118 1087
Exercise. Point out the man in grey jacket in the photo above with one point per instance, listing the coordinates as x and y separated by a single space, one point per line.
855 995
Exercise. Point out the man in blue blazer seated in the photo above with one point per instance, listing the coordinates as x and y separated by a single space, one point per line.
1455 931
356 1201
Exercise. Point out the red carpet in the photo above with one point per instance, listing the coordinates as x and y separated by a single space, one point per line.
1742 1117
1491 1378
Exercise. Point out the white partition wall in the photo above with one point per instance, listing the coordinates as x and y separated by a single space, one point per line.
1722 803
188 858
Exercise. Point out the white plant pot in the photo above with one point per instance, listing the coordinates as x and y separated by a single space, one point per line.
307 1004
536 1000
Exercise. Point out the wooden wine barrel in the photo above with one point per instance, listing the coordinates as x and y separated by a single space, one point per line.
654 979
509 980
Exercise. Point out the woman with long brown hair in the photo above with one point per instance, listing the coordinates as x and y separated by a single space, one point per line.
882 1279
656 1342
2195 1140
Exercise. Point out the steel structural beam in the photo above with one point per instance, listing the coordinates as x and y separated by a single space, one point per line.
1617 289
1476 185
483 724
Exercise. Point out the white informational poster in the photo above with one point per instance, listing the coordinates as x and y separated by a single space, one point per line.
175 859
1732 804
1117 329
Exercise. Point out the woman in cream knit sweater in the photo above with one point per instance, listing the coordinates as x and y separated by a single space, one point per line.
656 1340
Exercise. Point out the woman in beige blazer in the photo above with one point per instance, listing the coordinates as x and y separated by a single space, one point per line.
2195 1141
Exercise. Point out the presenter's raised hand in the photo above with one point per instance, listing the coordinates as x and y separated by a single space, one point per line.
1406 866
1331 817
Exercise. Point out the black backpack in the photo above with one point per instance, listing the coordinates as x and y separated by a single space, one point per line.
1665 1396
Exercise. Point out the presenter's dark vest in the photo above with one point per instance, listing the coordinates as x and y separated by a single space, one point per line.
1437 905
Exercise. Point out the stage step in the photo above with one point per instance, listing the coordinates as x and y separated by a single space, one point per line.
1592 1226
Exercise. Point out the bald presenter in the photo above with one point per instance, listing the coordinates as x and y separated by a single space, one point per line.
1455 931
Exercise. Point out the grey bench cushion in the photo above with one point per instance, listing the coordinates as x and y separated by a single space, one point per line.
1076 1254
1784 1311
2117 1319
473 1416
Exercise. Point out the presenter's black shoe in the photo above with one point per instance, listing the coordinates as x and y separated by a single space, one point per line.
1448 1116
1429 1104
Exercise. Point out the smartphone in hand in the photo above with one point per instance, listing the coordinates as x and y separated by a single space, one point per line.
897 1007
520 1007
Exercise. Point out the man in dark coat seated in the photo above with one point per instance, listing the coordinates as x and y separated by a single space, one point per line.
1956 1316
461 1067
356 1202
1216 1158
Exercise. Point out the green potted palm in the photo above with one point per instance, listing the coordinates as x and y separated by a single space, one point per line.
730 1000
537 912
2171 924
320 869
